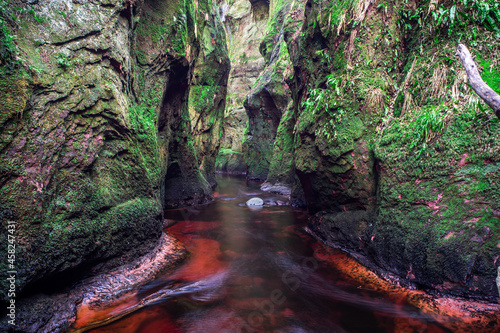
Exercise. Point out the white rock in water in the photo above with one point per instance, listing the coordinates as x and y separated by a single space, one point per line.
255 202
498 280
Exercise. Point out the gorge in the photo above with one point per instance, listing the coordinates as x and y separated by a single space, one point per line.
116 115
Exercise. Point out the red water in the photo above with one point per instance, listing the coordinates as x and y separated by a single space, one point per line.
256 270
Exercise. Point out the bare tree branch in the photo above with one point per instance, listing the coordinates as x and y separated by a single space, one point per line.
486 93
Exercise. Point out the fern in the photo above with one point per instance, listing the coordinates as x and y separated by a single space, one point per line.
7 47
425 128
453 15
324 102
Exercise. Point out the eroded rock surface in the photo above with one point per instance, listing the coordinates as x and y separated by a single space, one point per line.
245 25
398 163
97 136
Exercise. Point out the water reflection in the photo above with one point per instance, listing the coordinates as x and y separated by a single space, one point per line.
258 271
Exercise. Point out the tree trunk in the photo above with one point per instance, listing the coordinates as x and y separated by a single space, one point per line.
486 93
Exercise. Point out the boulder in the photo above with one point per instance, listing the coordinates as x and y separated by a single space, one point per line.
255 202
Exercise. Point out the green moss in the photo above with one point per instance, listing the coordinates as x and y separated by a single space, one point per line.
434 167
490 75
201 100
398 104
156 35
436 195
7 46
337 12
63 61
15 90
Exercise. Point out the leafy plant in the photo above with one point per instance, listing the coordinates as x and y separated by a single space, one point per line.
488 14
425 127
63 61
30 11
325 101
7 47
180 28
453 15
325 57
384 7
35 16
8 19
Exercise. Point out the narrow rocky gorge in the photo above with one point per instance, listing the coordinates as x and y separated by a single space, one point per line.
357 110
245 24
363 113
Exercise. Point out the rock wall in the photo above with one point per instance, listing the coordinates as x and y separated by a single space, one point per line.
96 134
395 154
207 99
269 97
278 82
245 25
258 92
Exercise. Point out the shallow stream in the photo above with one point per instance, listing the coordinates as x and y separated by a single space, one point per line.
257 270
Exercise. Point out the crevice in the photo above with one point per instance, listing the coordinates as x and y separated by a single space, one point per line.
104 209
128 14
60 99
108 5
79 38
260 10
94 51
376 176
174 95
114 63
121 131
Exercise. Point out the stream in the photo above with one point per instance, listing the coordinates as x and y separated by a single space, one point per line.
257 270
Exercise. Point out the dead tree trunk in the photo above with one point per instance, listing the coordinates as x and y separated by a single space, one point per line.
486 93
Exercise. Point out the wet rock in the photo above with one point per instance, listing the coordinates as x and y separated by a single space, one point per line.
498 281
207 95
109 138
399 254
245 31
168 223
275 202
57 312
435 220
264 105
230 161
269 147
255 202
279 189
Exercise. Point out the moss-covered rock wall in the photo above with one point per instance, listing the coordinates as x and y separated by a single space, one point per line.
395 153
244 24
269 97
278 78
96 133
207 99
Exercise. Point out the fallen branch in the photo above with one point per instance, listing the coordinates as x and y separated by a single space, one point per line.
486 93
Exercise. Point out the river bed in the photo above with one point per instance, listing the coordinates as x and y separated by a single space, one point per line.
255 269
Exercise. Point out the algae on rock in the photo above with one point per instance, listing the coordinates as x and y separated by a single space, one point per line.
245 27
207 97
286 18
269 97
389 138
98 134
